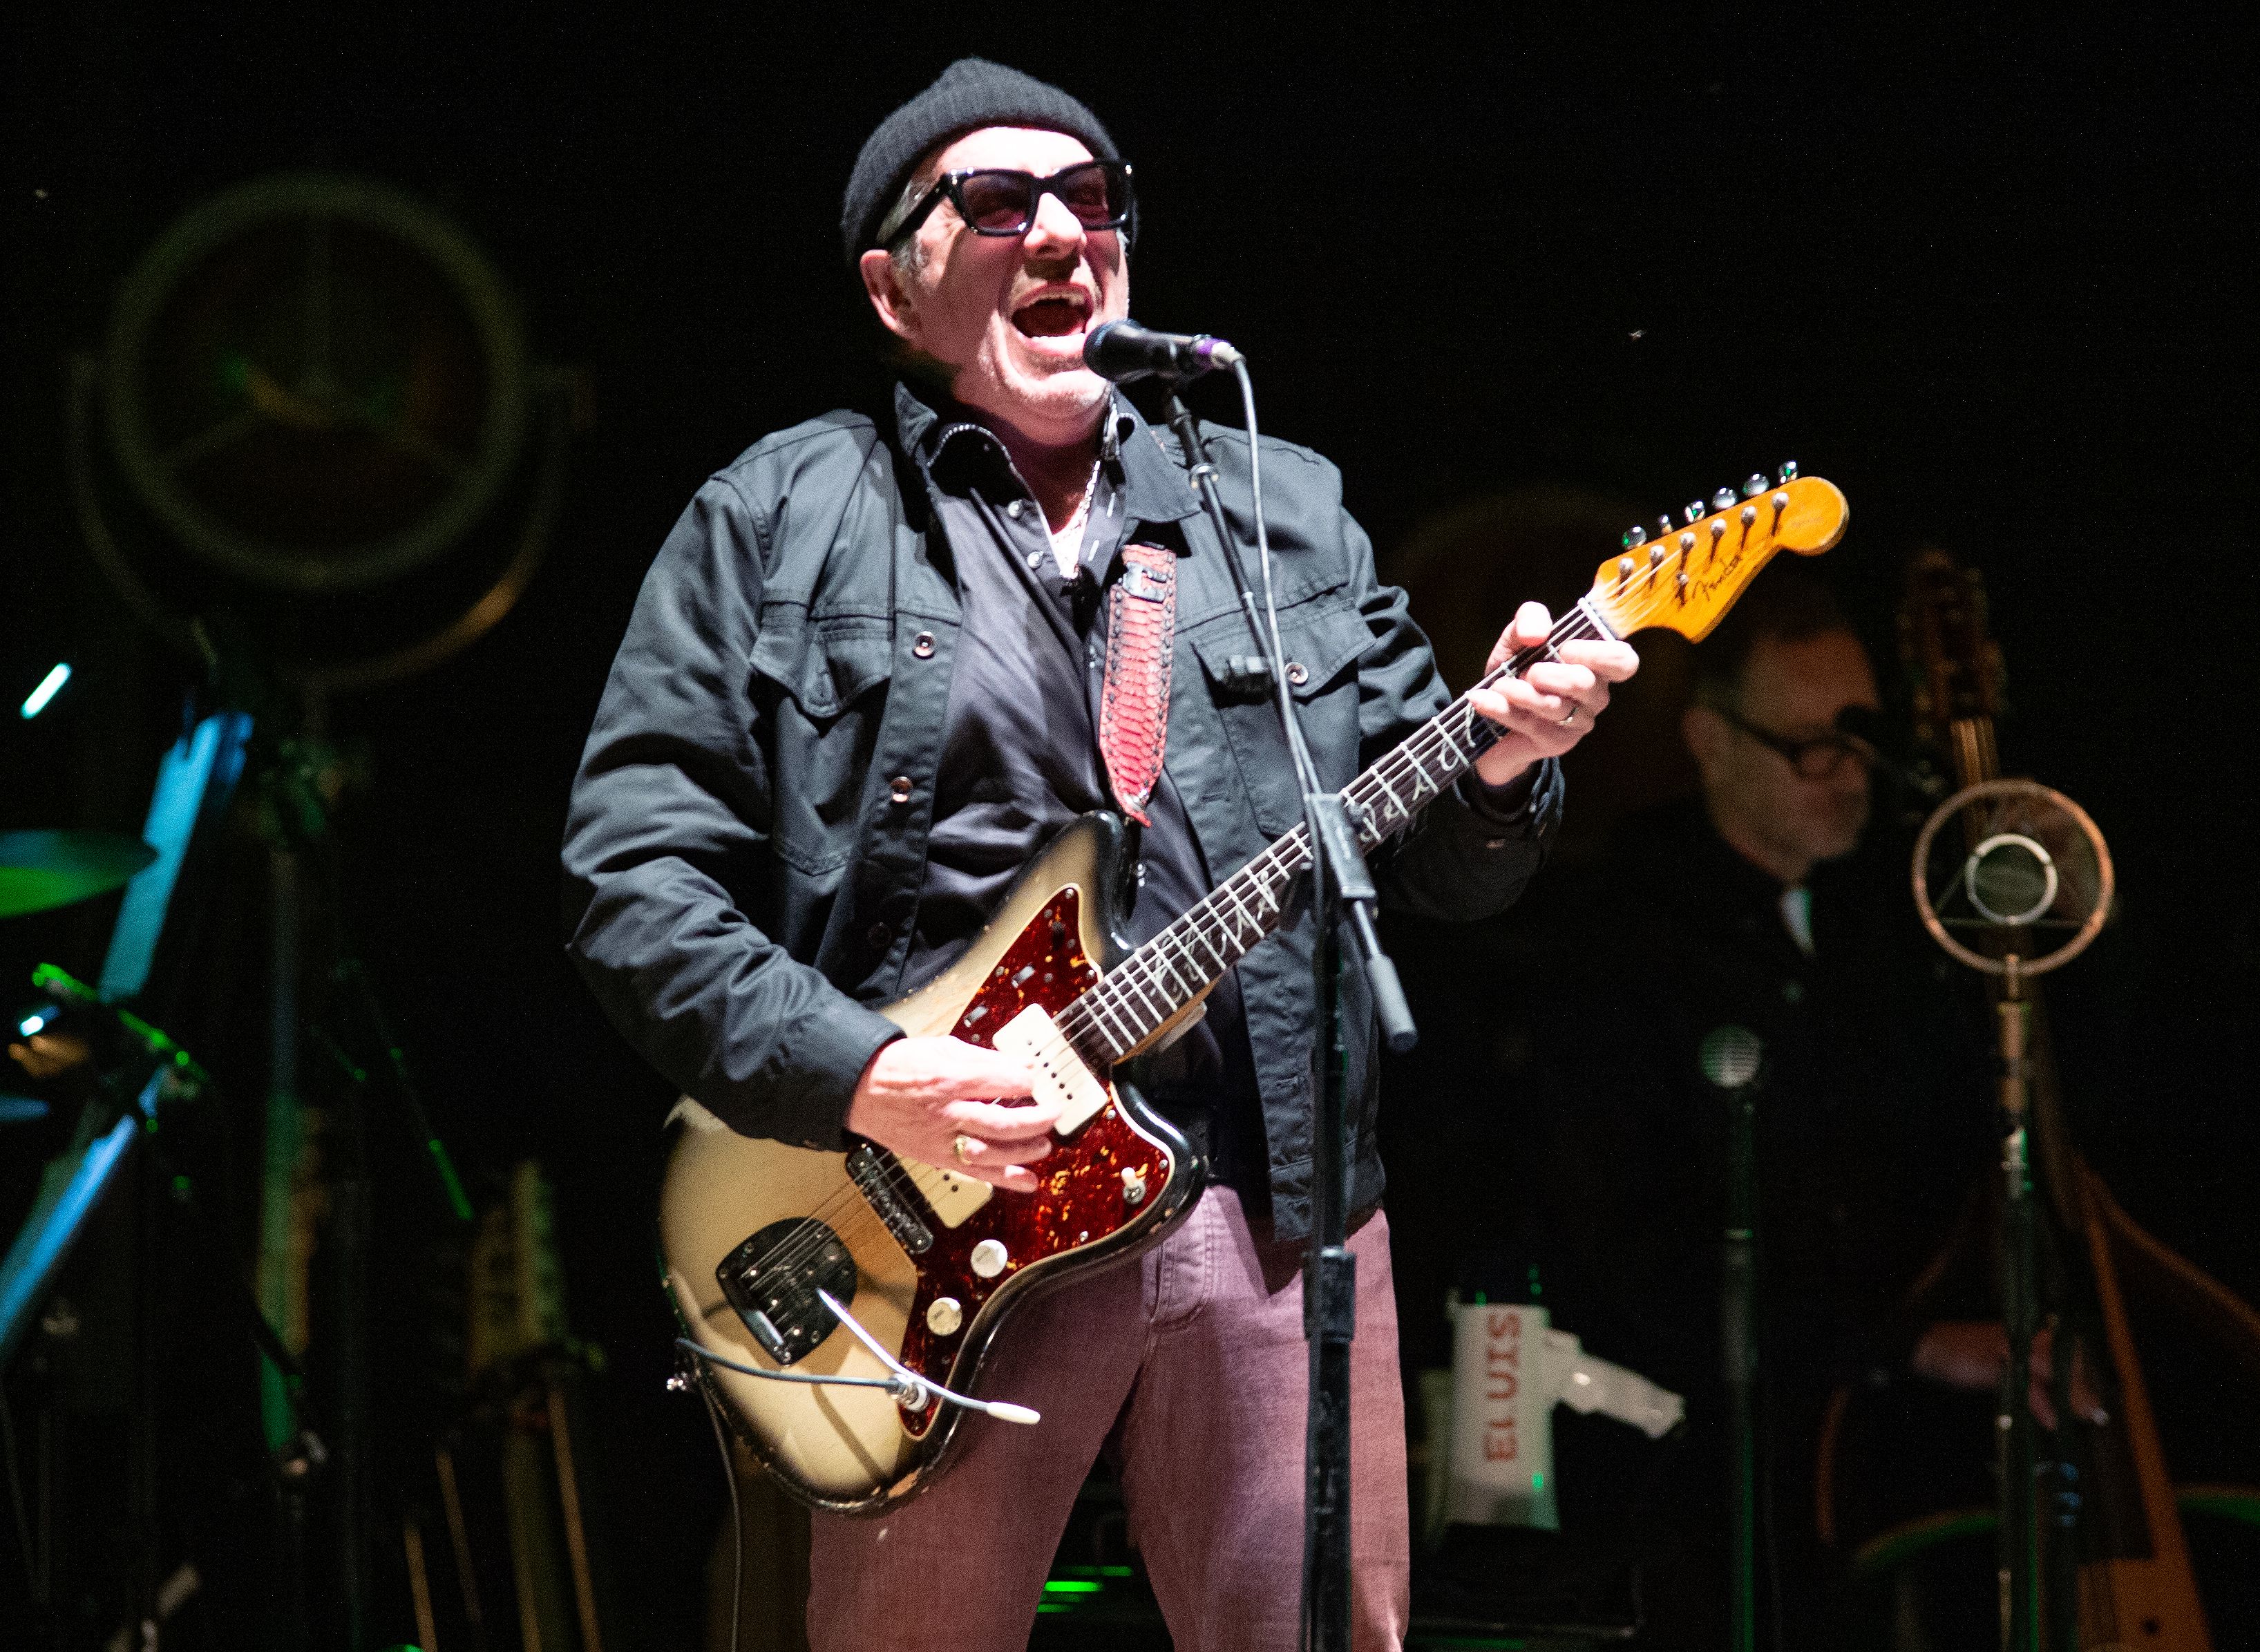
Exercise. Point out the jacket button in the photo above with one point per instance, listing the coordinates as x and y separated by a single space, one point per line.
1298 673
900 789
922 645
880 936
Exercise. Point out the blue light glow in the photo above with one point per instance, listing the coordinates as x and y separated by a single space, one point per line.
30 1024
49 687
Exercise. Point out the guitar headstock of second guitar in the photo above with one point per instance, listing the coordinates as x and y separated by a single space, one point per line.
1686 578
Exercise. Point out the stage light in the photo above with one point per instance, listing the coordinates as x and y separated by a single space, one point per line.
32 1024
49 687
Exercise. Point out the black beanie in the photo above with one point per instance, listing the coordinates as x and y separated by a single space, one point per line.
972 93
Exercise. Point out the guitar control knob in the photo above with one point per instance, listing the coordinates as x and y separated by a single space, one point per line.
944 1315
989 1258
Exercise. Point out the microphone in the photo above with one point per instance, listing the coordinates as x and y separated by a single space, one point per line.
1123 351
2011 879
1731 1057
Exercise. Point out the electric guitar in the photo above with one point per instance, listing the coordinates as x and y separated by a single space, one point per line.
757 1238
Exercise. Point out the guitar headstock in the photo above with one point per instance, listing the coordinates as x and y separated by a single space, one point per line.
1948 649
1688 576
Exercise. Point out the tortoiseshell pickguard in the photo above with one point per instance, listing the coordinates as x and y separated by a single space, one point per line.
1081 1201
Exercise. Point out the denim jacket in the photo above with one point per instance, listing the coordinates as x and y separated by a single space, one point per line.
747 830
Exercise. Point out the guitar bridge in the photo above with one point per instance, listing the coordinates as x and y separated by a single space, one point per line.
883 1193
772 1279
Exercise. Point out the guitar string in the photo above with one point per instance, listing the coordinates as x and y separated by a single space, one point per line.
1454 730
1223 909
1580 623
1088 1012
1291 851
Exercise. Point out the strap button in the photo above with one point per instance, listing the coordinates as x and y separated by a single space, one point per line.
922 645
898 789
1298 673
880 936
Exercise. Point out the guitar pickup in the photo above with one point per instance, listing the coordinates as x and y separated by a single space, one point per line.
1059 1073
868 1171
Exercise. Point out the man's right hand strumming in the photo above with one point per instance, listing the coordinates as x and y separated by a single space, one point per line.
944 1102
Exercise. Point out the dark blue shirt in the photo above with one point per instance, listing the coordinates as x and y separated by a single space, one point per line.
1020 759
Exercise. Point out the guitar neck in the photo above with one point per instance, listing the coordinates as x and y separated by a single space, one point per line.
1155 984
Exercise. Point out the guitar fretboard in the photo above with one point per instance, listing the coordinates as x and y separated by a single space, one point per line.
1140 994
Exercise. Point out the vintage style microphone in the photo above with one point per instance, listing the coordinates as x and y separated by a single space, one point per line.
2021 888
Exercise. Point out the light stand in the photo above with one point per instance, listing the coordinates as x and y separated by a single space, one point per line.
2034 864
1343 888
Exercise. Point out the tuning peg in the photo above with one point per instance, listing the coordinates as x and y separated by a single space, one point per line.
1634 536
1788 472
1754 486
1663 525
1723 500
1694 510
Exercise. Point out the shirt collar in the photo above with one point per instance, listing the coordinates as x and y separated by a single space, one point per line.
1154 485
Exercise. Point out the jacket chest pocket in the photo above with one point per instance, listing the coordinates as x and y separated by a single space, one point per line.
816 692
1323 639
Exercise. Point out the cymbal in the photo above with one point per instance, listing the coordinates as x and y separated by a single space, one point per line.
40 869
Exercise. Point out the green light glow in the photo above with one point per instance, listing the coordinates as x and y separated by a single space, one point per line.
1538 1482
1072 1586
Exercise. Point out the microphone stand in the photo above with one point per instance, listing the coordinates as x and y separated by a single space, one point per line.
1737 1318
2019 1528
1343 893
1733 1061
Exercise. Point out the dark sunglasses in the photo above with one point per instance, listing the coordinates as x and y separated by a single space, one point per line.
1814 759
995 202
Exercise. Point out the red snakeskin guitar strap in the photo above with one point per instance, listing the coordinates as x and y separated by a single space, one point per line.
1134 716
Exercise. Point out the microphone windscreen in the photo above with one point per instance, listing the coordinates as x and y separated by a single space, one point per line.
2010 879
1730 1056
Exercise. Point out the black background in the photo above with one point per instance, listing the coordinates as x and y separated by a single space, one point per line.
1992 276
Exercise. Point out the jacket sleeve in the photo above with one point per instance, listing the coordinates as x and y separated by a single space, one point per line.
1472 850
666 851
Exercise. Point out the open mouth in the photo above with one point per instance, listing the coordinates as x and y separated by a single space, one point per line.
1056 312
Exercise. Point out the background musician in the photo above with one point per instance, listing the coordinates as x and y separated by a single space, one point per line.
1767 902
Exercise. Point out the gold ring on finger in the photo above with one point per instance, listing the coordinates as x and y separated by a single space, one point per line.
965 1147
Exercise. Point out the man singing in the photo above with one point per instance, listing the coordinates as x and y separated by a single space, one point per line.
860 692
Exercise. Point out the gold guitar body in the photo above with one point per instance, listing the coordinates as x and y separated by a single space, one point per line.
1114 1182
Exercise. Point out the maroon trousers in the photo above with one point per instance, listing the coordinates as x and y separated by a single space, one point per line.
1189 1369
